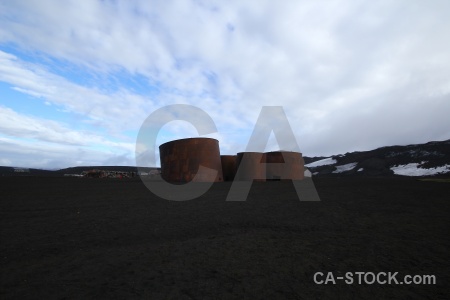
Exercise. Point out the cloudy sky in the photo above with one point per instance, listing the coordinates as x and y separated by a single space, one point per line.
78 78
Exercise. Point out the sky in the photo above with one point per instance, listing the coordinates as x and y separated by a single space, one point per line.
78 78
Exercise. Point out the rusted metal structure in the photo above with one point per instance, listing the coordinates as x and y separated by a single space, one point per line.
284 165
228 167
180 160
251 166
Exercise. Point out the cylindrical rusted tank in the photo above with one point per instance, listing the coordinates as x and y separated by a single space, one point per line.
228 167
293 167
250 166
180 160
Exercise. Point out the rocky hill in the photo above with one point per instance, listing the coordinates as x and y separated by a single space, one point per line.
430 159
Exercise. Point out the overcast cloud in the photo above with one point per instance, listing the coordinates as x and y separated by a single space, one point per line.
78 78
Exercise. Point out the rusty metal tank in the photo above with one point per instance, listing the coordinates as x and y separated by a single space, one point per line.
228 167
180 160
292 169
250 165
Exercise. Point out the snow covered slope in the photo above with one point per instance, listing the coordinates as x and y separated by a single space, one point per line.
430 159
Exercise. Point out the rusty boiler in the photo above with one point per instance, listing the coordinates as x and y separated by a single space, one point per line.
181 159
228 167
250 166
292 169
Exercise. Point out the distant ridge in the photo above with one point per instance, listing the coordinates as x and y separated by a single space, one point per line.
429 159
78 170
11 171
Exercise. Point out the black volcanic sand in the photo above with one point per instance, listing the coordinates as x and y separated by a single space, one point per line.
67 238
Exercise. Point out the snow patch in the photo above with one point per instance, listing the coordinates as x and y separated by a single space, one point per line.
307 173
345 168
360 169
413 169
322 162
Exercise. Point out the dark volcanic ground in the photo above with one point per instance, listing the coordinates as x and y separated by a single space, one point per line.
73 238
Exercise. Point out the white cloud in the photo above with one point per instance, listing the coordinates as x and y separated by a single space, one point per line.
38 154
5 162
22 126
113 111
350 75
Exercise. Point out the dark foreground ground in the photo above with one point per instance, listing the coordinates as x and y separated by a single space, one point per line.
72 238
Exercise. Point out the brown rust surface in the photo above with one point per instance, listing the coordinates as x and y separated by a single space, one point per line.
180 160
228 167
283 165
251 166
